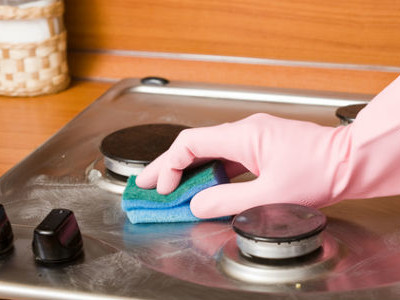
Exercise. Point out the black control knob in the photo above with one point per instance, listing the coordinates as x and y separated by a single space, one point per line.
57 239
6 234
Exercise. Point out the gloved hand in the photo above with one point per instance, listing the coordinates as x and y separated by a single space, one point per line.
294 161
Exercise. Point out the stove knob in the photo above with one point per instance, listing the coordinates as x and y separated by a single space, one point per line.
57 239
6 234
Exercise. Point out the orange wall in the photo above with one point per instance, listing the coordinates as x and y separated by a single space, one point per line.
361 32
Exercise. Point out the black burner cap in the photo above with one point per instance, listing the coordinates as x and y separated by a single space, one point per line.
278 223
140 144
350 112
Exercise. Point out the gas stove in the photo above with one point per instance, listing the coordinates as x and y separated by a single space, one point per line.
65 193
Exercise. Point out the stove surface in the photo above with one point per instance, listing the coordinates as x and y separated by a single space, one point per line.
181 260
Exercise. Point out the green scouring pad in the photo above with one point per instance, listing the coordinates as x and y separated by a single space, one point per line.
148 206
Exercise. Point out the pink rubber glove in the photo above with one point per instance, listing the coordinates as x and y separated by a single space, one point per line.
294 161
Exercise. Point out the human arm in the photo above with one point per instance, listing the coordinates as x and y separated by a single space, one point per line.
294 161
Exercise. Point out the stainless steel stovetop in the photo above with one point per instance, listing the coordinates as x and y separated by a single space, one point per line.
181 260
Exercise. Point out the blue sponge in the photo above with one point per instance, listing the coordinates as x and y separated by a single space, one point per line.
147 206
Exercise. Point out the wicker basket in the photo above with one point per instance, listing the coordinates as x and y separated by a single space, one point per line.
31 69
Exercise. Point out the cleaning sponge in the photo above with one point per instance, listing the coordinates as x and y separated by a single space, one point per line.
147 206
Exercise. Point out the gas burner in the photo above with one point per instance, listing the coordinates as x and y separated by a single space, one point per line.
279 231
278 242
127 151
347 114
270 271
124 157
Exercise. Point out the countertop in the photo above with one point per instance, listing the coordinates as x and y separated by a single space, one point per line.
26 123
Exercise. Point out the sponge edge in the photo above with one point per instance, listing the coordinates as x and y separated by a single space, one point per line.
147 206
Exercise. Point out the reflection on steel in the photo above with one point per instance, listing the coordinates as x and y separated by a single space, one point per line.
249 96
105 182
97 174
278 250
123 168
